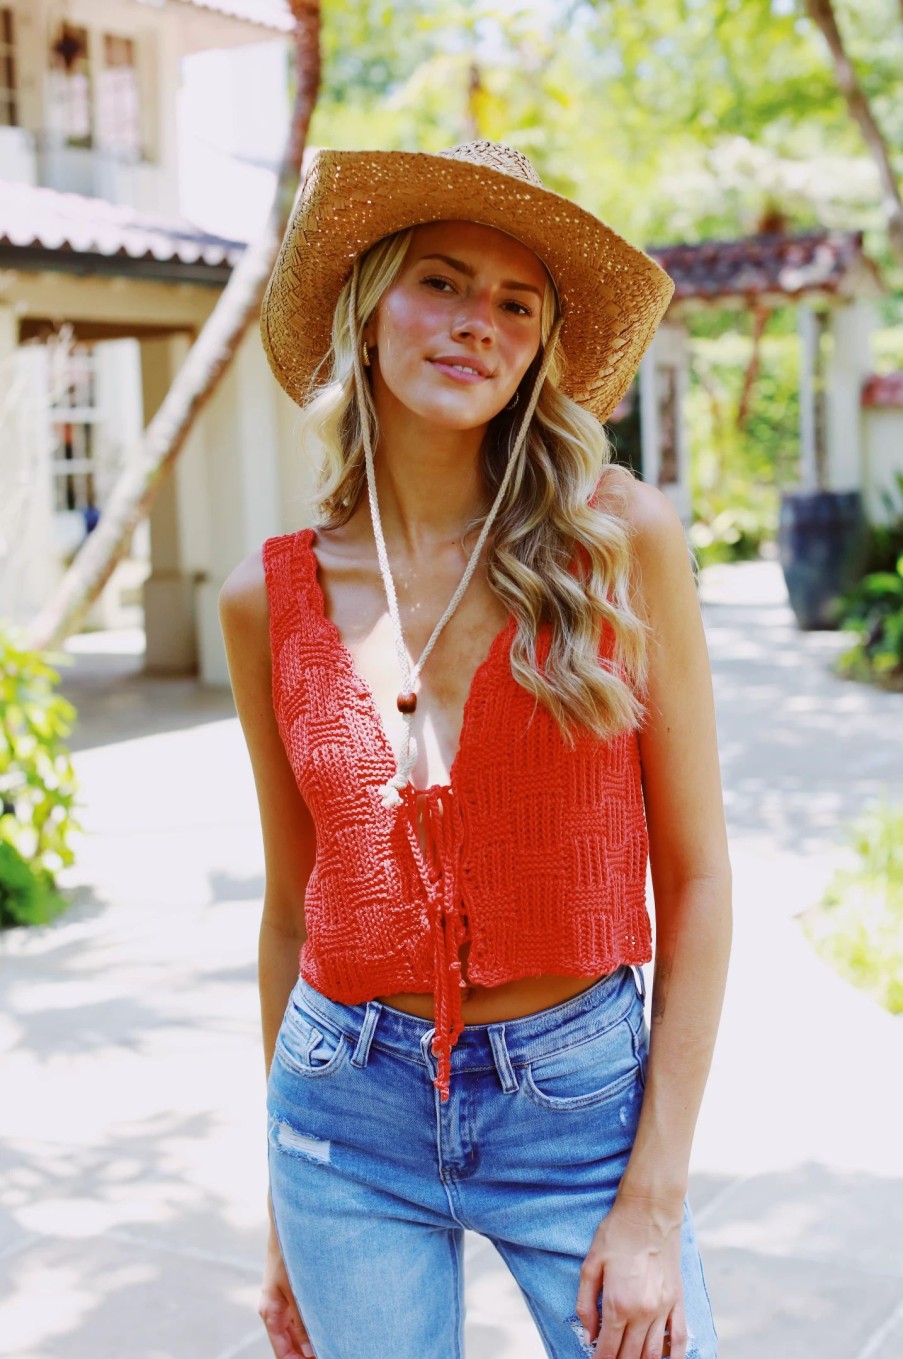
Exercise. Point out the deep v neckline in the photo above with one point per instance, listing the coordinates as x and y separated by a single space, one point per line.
306 538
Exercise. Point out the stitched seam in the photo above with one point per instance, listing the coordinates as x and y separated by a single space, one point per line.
336 1060
593 1097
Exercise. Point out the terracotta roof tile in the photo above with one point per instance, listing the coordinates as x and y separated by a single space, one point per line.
817 261
884 390
45 219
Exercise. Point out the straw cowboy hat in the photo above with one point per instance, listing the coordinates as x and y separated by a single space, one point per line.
612 295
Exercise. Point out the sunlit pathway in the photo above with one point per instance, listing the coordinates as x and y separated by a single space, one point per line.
133 1164
798 1157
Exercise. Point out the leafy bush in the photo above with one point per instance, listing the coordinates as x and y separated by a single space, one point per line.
763 452
858 925
737 468
885 541
873 609
37 784
733 529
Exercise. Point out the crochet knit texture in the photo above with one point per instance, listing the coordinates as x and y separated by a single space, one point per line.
537 852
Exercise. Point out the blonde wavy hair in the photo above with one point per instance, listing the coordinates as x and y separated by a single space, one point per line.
553 554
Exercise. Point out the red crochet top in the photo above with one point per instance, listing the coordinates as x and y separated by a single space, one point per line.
539 852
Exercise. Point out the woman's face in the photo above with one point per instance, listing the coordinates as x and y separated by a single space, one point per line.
460 325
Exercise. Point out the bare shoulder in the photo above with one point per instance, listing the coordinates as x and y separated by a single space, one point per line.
658 540
243 596
645 508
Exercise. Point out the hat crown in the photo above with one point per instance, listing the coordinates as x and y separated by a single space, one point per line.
495 156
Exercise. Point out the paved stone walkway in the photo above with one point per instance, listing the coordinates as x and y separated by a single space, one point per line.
132 1166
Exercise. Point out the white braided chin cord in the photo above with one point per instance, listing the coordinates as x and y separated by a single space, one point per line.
391 792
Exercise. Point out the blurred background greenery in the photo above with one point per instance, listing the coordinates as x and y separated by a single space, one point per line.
686 120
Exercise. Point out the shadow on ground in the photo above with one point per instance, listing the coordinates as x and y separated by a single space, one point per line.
116 700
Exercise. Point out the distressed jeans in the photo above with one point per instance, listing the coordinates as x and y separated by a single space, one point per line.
373 1179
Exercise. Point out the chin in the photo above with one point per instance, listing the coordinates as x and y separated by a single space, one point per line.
455 414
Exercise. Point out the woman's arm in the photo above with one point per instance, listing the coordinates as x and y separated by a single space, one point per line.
692 886
289 847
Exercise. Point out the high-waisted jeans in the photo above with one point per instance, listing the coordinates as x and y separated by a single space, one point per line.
373 1179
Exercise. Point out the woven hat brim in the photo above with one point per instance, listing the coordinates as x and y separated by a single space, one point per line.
613 295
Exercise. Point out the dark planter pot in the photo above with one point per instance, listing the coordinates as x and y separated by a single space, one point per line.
821 539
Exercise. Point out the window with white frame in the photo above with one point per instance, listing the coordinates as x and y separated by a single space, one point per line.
74 417
118 119
93 91
9 103
69 79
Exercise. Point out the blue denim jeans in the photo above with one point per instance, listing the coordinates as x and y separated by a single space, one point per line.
373 1179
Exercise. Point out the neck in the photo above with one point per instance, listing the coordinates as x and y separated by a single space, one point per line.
428 480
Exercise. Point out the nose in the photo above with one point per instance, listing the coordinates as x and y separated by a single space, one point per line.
474 321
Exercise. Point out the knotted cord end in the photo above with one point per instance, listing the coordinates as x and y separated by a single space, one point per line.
389 796
389 792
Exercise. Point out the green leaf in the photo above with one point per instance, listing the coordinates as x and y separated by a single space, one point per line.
37 778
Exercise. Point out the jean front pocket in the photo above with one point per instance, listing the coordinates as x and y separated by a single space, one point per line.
307 1044
590 1071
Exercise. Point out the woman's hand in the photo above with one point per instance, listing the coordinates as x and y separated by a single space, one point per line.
635 1260
279 1312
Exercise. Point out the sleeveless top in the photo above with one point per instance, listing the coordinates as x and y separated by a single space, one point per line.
537 855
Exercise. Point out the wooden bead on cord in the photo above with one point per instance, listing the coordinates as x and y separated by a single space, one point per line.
406 702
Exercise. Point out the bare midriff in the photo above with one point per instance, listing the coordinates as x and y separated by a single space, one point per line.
491 1004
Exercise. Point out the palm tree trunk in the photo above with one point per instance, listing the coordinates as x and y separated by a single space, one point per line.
208 359
821 12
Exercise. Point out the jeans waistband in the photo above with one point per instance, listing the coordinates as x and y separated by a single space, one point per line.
481 1046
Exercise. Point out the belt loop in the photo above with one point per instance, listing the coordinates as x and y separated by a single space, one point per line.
507 1074
426 1052
362 1046
640 981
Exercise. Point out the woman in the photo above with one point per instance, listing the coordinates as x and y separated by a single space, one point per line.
458 846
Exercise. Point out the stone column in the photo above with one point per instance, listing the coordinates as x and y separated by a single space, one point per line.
847 366
664 379
808 330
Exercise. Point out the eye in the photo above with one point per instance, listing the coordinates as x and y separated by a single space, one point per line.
441 282
521 309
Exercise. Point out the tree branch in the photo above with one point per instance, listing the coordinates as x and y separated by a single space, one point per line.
821 12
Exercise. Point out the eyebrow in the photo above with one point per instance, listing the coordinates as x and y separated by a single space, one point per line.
471 273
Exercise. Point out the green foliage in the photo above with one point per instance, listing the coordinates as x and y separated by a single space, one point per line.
737 472
733 525
765 450
873 610
858 925
885 541
679 121
28 895
37 784
654 116
887 348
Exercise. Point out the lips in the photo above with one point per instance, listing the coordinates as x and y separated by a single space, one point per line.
472 369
